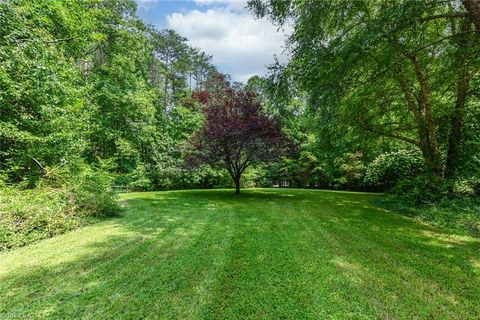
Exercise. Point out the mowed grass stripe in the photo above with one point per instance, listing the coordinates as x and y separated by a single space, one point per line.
266 254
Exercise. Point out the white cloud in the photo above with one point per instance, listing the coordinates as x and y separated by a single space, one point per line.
244 77
240 44
145 4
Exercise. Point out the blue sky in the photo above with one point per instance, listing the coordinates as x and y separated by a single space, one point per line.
155 11
241 45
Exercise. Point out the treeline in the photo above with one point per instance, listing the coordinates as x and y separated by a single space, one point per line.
378 81
386 93
90 97
88 83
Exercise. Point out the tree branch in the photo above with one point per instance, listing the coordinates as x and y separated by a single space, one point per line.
405 56
39 164
389 134
48 41
445 15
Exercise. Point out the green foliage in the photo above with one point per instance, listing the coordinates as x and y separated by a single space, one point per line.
382 75
40 98
89 187
390 167
92 193
466 188
66 198
427 189
204 177
30 215
451 203
351 169
253 177
460 213
139 178
90 80
420 190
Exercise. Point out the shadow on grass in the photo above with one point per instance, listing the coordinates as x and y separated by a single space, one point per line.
145 272
260 254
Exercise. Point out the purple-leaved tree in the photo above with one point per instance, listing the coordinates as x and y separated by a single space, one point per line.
237 133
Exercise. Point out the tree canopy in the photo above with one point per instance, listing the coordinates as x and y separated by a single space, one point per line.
401 71
237 133
374 92
89 81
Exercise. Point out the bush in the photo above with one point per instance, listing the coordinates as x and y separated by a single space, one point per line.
451 203
389 168
92 193
253 177
352 171
139 179
428 189
421 190
62 201
29 215
456 213
88 188
465 188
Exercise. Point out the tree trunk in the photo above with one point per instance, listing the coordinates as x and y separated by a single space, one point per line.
473 10
456 119
237 185
423 116
235 174
455 133
165 100
430 149
165 94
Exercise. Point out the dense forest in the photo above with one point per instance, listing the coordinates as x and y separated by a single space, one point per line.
88 82
376 96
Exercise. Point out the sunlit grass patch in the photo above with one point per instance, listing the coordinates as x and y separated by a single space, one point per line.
268 253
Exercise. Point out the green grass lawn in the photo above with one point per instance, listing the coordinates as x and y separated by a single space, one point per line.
266 254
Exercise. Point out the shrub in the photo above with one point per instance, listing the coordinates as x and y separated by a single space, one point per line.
88 188
451 203
421 190
92 193
65 198
30 215
457 213
428 189
465 188
352 171
253 177
139 179
389 168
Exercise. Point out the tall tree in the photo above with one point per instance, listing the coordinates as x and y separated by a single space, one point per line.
384 67
236 134
41 96
89 80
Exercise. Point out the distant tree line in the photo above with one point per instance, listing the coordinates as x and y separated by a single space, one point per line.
89 82
375 92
